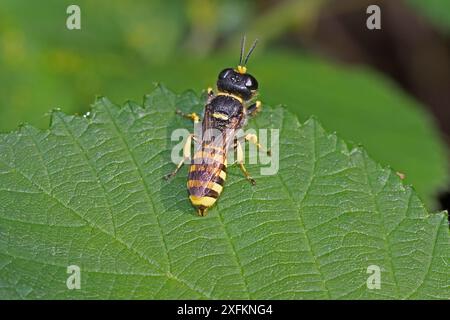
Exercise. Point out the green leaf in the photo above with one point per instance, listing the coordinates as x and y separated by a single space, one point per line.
89 192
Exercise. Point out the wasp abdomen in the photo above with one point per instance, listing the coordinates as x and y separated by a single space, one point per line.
206 180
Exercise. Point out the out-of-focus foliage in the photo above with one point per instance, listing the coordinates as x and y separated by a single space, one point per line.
123 47
44 61
438 11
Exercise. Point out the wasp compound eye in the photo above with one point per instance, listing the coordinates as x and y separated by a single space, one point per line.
251 83
225 72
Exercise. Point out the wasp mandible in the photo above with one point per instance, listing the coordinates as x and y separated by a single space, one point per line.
224 113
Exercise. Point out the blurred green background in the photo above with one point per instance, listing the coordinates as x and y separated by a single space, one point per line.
385 89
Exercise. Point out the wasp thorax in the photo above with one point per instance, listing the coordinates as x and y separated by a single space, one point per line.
225 112
243 85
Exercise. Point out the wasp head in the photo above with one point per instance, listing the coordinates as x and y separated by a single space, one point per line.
237 82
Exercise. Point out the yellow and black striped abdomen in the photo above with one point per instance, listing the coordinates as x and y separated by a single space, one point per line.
207 175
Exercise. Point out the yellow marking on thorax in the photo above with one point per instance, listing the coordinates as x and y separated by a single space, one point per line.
218 115
230 95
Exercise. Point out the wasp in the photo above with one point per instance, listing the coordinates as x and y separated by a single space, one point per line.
224 113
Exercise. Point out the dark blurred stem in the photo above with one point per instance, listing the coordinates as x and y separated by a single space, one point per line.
281 17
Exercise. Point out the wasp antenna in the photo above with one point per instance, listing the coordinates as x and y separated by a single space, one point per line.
250 51
242 50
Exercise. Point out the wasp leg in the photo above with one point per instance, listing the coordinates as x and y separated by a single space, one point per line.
192 116
240 161
254 108
186 156
254 139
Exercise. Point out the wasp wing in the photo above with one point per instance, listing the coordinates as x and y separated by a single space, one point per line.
211 154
